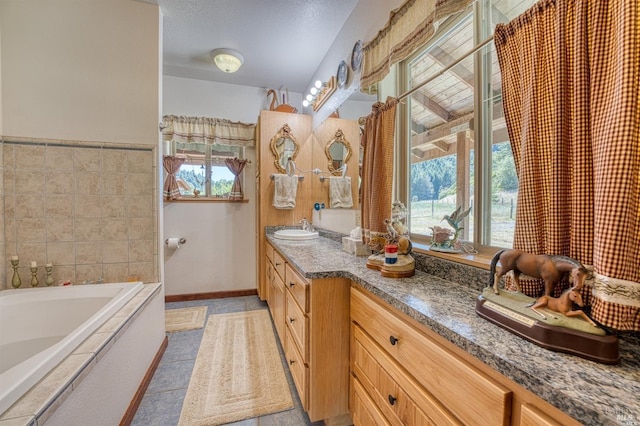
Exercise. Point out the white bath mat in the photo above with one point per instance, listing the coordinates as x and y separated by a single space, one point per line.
184 319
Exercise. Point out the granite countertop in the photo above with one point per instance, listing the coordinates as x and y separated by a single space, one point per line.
590 392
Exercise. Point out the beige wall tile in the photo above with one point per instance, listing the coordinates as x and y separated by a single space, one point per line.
89 252
139 206
9 206
8 155
114 206
60 229
114 161
139 183
86 159
88 206
62 253
116 272
88 183
115 183
31 251
141 229
29 182
141 251
87 229
59 158
29 157
59 206
63 273
143 270
115 251
114 229
9 181
31 230
9 231
89 273
139 161
59 183
28 207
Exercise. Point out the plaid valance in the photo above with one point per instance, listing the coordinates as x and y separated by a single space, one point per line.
205 130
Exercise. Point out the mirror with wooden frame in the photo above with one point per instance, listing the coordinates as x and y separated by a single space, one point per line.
284 147
338 151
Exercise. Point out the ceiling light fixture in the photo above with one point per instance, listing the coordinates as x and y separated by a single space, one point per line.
228 60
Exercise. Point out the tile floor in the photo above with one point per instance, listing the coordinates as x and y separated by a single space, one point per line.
162 402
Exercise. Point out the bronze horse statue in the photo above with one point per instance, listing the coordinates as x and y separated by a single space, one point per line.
550 268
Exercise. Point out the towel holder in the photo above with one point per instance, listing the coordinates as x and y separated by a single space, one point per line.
300 178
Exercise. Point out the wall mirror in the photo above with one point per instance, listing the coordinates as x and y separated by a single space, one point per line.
338 151
284 148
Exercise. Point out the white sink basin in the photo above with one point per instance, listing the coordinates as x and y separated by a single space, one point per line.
295 234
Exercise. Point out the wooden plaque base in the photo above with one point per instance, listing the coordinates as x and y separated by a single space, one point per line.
602 349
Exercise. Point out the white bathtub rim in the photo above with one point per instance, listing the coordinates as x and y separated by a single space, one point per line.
14 386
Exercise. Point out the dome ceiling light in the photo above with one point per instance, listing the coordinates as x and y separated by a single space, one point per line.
228 60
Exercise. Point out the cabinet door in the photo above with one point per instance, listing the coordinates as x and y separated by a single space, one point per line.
278 306
364 411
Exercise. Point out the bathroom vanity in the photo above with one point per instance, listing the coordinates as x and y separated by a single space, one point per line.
414 351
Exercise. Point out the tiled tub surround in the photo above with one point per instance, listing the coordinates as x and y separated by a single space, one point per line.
90 209
94 384
592 393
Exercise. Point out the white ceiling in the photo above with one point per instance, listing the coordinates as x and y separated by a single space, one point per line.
282 41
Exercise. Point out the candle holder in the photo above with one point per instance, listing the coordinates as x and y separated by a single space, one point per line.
34 278
49 280
15 279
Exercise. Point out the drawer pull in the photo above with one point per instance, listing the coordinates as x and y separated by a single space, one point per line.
392 400
291 319
291 361
291 283
278 264
393 340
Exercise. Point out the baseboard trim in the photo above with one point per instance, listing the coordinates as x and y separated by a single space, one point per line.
213 295
137 398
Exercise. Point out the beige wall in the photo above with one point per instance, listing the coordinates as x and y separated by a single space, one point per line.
80 73
80 70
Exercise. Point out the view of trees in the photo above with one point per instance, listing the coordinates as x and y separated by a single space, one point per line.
195 177
434 179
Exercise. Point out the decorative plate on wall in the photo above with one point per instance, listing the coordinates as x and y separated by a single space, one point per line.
343 74
356 56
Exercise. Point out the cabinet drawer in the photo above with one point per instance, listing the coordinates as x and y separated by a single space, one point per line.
299 371
297 323
531 416
269 252
384 379
298 287
467 393
278 264
363 410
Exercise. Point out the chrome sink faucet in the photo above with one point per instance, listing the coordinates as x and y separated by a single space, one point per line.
306 226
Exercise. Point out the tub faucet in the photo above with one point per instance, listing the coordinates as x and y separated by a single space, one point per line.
306 226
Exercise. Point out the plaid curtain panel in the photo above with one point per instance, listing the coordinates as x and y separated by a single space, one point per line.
570 84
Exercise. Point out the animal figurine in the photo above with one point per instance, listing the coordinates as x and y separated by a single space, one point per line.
549 268
282 107
563 304
455 220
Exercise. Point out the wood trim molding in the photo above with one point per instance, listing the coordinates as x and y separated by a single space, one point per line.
213 295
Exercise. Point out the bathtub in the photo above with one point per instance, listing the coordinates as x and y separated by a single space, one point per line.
39 327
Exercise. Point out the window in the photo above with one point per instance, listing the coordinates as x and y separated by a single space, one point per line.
458 149
204 174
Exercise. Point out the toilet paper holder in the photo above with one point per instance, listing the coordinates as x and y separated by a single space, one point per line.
181 241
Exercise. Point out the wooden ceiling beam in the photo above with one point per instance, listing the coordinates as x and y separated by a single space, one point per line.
444 59
432 106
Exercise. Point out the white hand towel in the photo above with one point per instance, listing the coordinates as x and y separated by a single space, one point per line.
340 192
284 194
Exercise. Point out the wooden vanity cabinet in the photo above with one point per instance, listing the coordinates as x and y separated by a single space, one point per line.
406 373
315 340
275 292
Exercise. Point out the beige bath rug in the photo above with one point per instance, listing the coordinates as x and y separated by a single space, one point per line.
183 319
238 373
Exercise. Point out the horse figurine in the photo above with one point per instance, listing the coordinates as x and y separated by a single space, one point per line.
563 304
550 268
